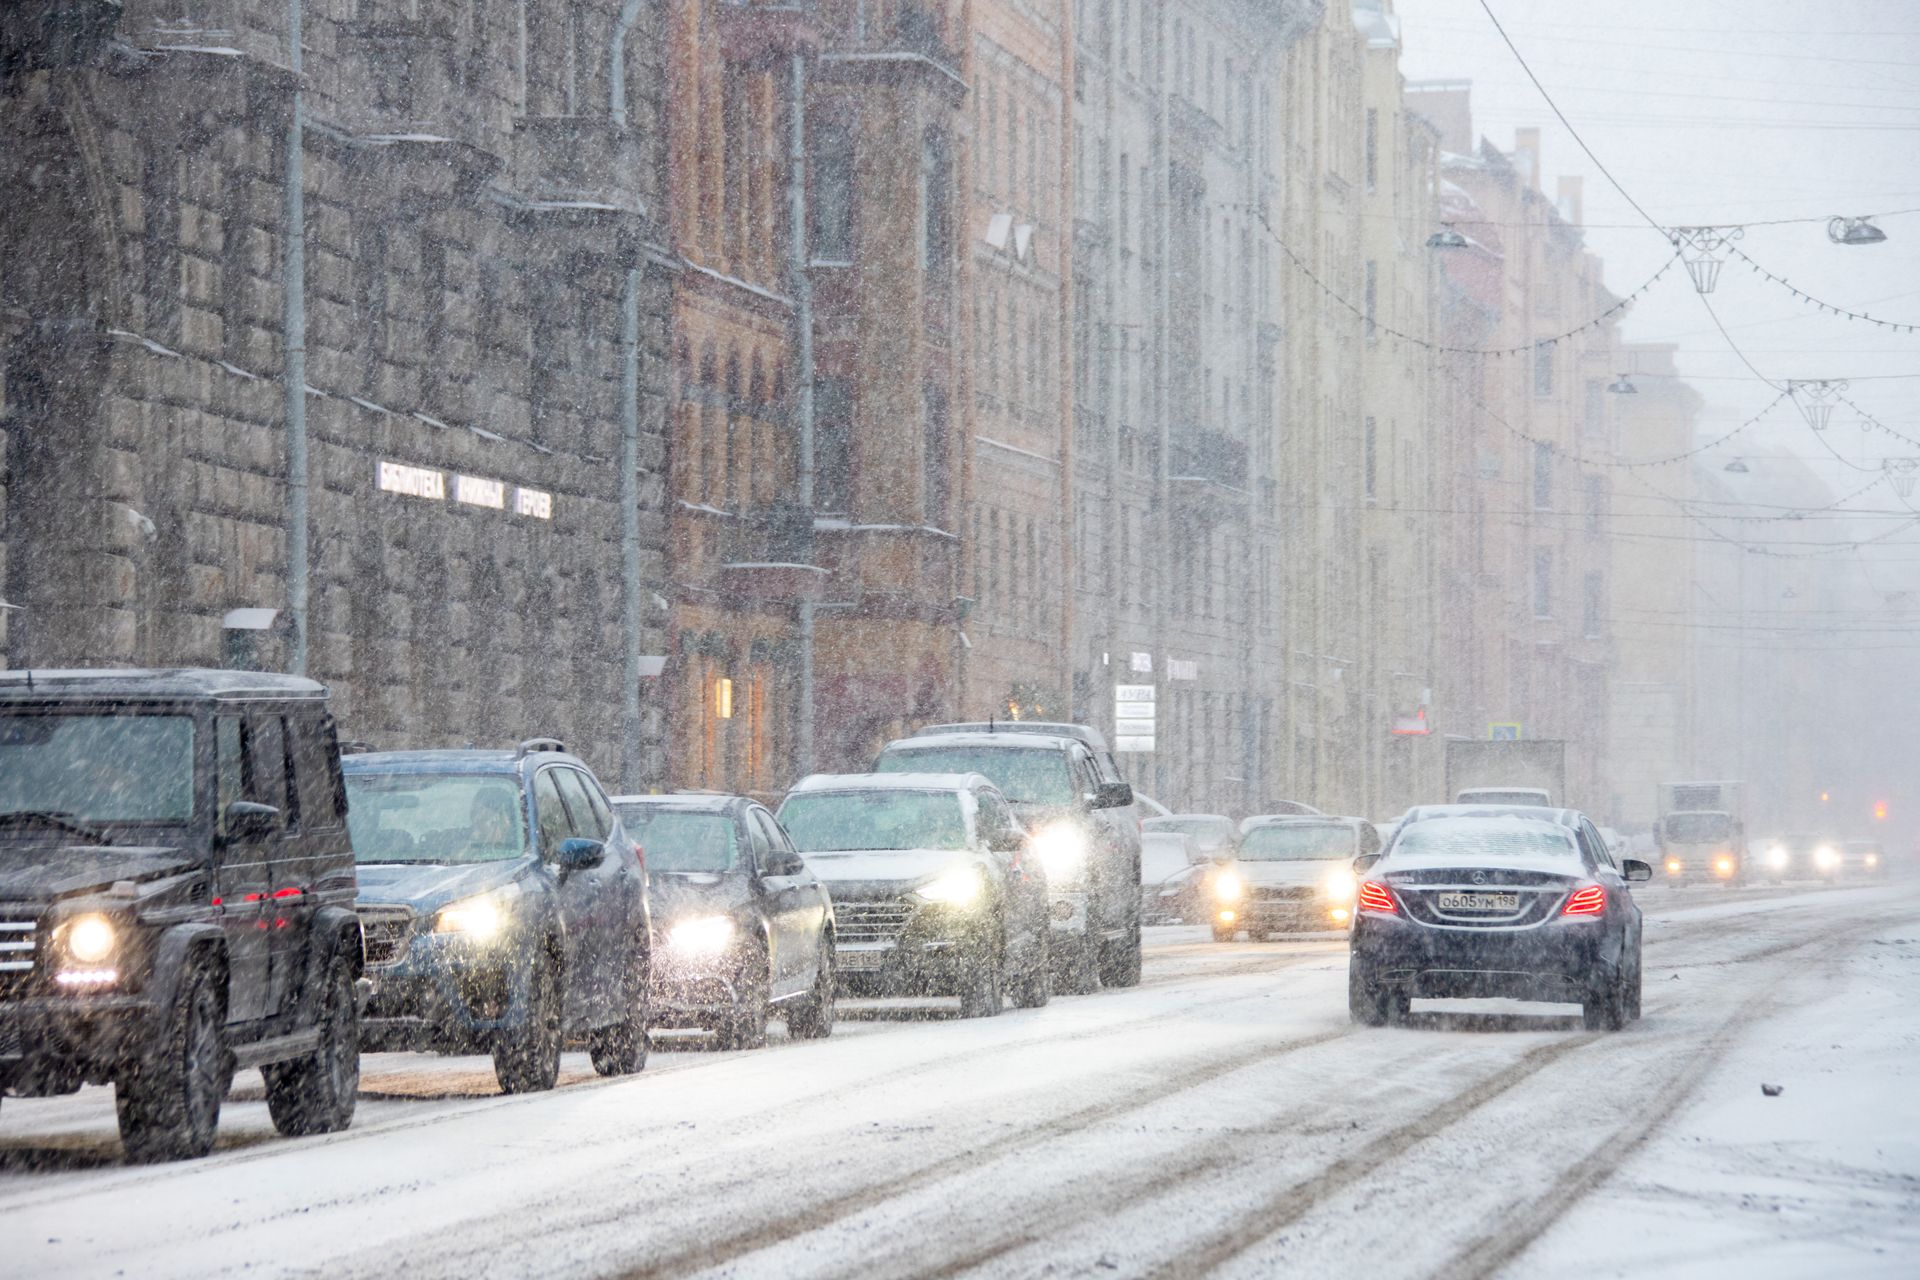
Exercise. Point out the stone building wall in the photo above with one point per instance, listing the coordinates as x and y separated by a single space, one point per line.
472 216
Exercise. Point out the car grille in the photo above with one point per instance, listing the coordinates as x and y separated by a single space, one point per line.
19 942
385 930
871 921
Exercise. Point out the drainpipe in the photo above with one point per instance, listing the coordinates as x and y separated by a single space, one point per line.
803 381
293 289
631 764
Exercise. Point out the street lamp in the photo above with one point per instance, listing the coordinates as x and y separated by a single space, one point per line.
1843 230
1621 387
1900 474
1700 249
1447 239
1738 467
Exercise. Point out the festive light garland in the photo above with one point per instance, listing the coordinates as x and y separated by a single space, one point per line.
1784 283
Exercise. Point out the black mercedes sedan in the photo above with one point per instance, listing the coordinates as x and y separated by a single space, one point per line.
746 928
1517 907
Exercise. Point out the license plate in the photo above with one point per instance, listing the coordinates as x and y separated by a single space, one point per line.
861 961
1479 902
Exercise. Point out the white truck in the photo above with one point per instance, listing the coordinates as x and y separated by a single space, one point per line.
1521 771
1702 831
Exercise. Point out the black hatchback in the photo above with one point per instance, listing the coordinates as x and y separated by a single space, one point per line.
746 929
1517 907
505 909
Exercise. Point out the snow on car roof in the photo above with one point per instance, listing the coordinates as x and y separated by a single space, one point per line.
1540 812
890 782
1506 835
1011 741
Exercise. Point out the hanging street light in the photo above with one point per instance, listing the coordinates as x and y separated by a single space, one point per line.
1815 398
1447 239
1738 467
1700 249
1621 387
1900 474
1854 231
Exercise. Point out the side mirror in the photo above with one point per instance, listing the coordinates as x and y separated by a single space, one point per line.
1634 869
1113 795
249 821
580 854
1365 861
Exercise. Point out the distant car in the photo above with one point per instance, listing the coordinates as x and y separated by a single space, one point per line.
1703 845
745 927
1083 829
504 907
176 899
1513 907
1214 834
1863 858
1295 808
1506 795
1147 807
1169 862
1290 872
1800 854
935 890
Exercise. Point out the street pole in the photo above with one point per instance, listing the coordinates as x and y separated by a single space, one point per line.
803 387
629 488
293 287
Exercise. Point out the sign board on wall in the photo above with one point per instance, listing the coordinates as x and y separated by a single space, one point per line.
1506 731
476 491
1133 717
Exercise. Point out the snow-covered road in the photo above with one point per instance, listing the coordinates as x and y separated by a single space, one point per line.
1222 1118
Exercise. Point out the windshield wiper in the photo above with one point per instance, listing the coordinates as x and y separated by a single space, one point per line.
59 820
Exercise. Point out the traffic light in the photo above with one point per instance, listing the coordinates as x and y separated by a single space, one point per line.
1879 810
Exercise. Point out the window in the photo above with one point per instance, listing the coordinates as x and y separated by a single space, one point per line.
316 781
585 820
266 764
832 445
1373 147
832 196
1543 368
1542 583
1542 476
1596 418
934 495
1592 606
1370 460
936 251
1372 296
1596 503
551 814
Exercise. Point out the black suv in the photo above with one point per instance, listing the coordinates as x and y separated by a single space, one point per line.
505 909
176 898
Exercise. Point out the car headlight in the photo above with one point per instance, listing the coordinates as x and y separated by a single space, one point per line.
90 939
701 935
1873 859
1062 847
479 917
1228 886
1826 857
1341 885
1723 866
958 887
1675 866
1777 856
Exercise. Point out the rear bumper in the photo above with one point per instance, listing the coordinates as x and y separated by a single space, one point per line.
1553 961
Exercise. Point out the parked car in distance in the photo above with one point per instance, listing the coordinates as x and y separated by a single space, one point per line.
1083 830
1215 835
1169 867
178 888
745 927
1290 872
1517 907
1296 808
504 907
935 891
1147 807
1864 858
1535 797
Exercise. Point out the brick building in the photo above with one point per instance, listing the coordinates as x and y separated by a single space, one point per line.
485 295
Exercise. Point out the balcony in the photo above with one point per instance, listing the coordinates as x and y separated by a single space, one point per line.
904 44
581 168
767 555
1209 473
762 33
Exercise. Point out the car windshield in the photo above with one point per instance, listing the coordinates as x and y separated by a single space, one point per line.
1468 840
100 768
681 839
1160 859
1024 776
1288 842
828 821
435 817
1494 795
1692 828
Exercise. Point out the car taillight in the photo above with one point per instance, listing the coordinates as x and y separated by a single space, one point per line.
1374 896
1590 901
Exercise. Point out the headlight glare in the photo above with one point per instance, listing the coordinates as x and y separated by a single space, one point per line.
701 935
1062 847
1342 885
90 939
1777 856
1826 857
958 887
1228 886
478 918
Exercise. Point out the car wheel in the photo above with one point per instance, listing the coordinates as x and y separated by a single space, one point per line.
168 1102
811 1016
1634 987
621 1048
527 1059
1035 984
1368 1003
1604 1009
1225 933
1120 961
745 1027
1075 970
981 993
315 1094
